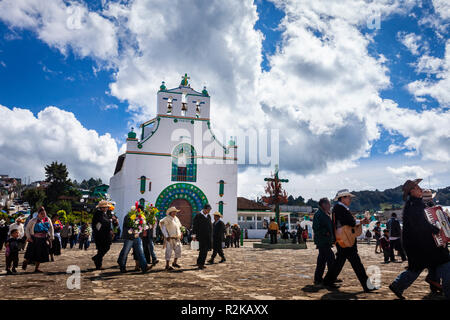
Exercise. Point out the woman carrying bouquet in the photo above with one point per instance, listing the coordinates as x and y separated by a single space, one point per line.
133 225
39 232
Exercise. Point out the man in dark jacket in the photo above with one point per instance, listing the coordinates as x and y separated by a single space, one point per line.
419 244
342 216
395 233
218 238
202 231
101 229
323 238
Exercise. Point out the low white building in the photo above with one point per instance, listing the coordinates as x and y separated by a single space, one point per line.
177 160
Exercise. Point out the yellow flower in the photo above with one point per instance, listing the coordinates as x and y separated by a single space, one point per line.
133 216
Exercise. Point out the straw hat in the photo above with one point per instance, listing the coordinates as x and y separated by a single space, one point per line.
408 186
217 214
172 209
343 193
427 194
103 204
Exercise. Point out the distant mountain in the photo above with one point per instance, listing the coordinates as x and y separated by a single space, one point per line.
390 198
376 200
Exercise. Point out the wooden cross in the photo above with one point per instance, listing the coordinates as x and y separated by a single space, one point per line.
276 193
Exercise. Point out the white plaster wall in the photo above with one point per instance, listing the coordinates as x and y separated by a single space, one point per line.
125 185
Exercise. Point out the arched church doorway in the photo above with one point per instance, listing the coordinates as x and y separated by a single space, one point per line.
185 214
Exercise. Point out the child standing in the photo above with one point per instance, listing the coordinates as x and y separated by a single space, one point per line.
385 245
12 252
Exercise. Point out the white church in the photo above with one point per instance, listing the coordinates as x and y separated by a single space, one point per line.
177 160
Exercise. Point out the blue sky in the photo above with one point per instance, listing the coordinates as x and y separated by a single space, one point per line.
38 69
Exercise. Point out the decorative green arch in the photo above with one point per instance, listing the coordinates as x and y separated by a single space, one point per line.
187 191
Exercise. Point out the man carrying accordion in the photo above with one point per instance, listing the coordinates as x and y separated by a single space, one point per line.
419 236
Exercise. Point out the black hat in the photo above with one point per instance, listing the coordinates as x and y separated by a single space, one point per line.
206 206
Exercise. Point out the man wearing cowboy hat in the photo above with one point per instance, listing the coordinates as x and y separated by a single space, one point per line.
171 229
218 238
202 231
101 227
419 245
341 217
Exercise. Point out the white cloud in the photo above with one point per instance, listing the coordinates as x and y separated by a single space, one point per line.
63 25
438 88
442 7
29 142
111 106
410 40
410 172
393 148
322 91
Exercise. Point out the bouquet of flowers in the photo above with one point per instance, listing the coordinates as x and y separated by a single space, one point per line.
136 221
183 230
151 213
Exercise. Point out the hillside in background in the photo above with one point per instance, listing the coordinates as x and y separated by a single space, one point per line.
377 200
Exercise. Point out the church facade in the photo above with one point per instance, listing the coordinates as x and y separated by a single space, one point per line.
177 160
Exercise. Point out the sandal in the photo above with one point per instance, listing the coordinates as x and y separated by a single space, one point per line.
176 265
168 268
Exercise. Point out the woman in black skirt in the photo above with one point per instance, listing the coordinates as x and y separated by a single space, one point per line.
39 234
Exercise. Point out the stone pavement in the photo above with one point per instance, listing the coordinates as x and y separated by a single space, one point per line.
248 274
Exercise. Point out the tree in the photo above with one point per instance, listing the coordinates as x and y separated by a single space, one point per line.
35 197
57 174
54 207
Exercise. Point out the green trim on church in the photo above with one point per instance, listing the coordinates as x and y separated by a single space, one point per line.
194 195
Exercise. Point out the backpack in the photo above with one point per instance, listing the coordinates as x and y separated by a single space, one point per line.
368 234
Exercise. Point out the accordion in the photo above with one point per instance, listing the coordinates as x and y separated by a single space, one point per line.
436 214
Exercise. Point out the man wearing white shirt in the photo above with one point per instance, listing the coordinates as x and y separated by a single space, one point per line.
171 229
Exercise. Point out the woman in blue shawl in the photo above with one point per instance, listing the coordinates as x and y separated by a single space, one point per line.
39 232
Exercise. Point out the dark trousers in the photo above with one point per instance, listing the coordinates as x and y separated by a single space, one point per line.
387 254
2 242
342 255
72 241
64 242
12 259
397 245
217 250
102 249
227 241
273 236
325 257
204 247
149 249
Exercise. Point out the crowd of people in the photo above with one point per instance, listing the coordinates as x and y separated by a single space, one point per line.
42 238
414 243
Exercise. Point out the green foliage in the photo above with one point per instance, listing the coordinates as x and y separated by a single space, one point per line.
57 174
4 216
89 184
54 207
299 201
35 197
